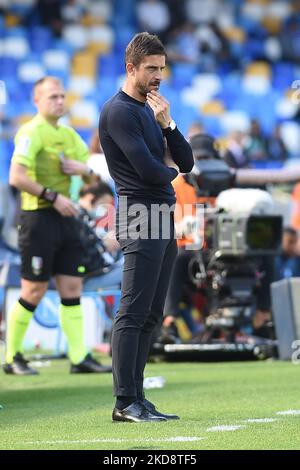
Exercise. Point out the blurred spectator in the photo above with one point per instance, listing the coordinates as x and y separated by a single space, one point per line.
195 128
234 154
72 11
183 45
50 14
290 37
256 146
153 16
208 11
177 10
214 46
4 5
276 147
287 264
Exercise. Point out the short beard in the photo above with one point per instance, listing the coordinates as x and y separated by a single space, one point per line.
142 89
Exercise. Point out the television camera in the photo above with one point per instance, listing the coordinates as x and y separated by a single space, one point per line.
236 248
233 260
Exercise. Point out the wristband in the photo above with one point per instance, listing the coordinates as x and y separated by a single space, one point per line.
48 195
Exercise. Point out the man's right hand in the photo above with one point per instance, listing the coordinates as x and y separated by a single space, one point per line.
65 206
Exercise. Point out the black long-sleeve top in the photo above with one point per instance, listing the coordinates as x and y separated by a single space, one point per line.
133 144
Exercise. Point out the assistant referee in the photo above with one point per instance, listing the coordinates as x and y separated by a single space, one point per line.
46 155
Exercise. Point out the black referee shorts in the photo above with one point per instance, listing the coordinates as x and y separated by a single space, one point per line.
49 244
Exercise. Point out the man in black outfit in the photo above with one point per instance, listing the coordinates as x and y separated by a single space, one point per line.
134 126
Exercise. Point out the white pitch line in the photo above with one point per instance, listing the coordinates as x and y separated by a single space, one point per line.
288 412
260 420
95 441
225 428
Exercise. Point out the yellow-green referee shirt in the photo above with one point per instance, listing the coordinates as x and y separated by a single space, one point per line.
39 146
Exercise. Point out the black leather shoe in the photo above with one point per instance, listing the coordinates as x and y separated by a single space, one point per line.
151 408
136 413
89 365
19 366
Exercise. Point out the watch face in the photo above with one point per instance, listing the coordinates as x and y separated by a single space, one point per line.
50 195
172 125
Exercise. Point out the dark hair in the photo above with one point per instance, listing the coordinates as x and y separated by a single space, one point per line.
290 231
97 190
142 45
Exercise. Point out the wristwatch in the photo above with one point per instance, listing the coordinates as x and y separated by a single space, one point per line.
171 127
48 195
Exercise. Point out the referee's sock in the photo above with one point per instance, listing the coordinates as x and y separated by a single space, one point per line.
71 318
17 324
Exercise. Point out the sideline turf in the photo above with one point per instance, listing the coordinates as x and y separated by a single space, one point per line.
57 410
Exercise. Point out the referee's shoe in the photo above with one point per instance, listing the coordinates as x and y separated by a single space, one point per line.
19 366
89 365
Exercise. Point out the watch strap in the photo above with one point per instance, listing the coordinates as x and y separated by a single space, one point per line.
48 195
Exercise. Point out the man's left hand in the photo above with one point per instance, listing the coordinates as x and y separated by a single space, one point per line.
160 107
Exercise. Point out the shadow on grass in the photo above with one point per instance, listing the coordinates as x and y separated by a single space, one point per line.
34 403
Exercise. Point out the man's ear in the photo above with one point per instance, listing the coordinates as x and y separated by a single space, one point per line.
130 68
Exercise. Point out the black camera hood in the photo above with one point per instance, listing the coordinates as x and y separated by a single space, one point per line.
213 176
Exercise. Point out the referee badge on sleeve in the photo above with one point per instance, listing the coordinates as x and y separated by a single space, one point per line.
22 146
36 265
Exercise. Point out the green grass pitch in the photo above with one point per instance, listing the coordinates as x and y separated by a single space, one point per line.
56 410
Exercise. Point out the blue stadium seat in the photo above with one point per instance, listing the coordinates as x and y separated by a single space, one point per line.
184 114
266 113
5 156
85 134
15 91
111 65
252 27
11 109
8 67
124 13
40 38
107 65
62 44
106 87
169 92
283 75
212 125
183 74
253 49
123 35
16 31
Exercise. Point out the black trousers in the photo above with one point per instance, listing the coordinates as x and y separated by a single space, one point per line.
147 269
